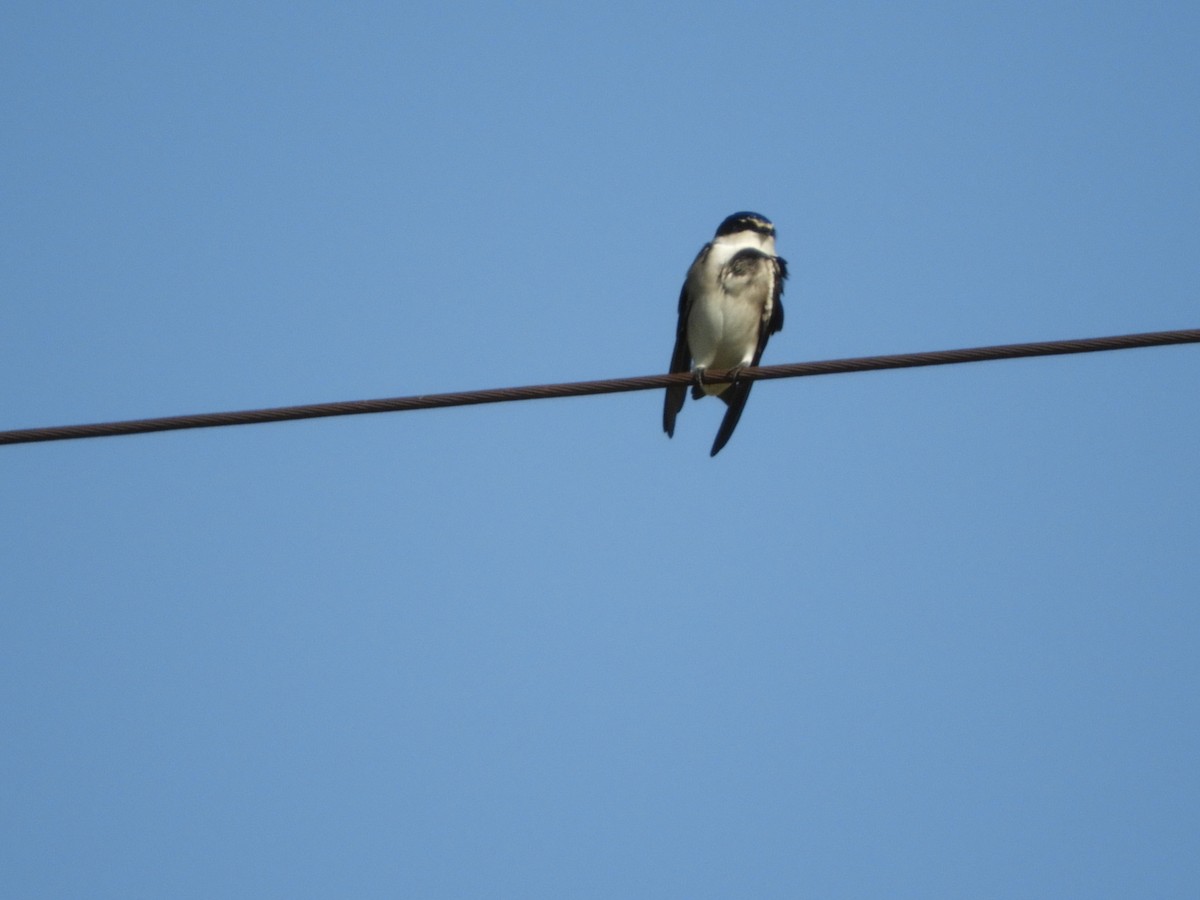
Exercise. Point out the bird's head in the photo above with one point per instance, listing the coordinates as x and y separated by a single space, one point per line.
746 221
747 229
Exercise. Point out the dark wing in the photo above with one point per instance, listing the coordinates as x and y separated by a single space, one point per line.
681 357
737 394
776 324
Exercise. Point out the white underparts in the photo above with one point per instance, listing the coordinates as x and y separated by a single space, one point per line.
729 304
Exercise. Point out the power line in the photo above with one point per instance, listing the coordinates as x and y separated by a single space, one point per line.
609 386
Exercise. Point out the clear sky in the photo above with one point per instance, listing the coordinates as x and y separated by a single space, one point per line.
912 634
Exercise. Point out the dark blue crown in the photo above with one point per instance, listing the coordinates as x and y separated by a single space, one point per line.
745 221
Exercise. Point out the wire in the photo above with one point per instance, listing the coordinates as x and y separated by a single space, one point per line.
610 386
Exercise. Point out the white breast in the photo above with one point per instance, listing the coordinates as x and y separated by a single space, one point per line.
728 308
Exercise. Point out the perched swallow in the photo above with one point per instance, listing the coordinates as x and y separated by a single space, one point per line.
731 303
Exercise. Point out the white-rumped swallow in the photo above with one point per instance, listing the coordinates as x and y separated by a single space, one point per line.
731 303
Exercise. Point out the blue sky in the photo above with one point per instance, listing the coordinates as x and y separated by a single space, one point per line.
912 634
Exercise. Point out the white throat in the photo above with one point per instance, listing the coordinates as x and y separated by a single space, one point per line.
752 239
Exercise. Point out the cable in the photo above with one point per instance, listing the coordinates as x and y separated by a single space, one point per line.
610 386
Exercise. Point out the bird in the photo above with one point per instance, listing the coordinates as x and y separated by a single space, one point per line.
730 305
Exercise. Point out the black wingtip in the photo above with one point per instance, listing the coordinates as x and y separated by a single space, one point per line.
672 405
723 436
721 440
736 397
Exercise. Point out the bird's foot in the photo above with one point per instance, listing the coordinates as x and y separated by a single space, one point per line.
735 373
